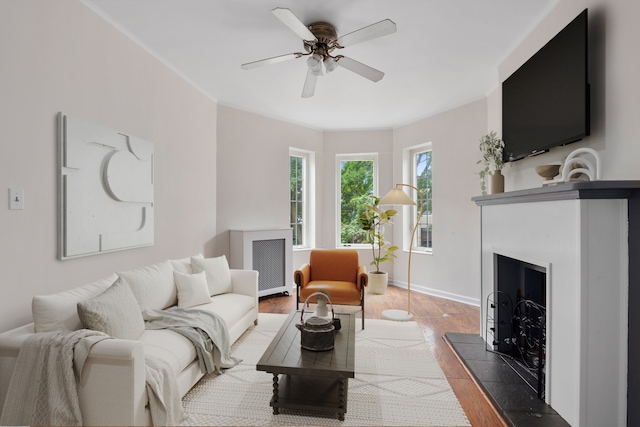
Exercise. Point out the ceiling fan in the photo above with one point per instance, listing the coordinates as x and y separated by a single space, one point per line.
320 39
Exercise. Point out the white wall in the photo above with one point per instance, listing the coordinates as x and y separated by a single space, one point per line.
60 56
253 172
453 269
614 68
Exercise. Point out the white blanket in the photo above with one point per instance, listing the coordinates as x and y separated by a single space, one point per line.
43 387
165 402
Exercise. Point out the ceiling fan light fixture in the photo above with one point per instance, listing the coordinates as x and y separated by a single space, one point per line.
330 64
314 62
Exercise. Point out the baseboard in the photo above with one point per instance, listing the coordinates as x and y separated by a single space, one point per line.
437 293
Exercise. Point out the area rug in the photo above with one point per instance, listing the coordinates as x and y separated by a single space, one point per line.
398 382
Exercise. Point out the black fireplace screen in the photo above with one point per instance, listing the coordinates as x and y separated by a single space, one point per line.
519 334
516 319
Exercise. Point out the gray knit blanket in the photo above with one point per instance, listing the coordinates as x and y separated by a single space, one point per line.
43 387
205 329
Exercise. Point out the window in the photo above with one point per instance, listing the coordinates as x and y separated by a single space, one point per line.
422 179
301 165
356 179
296 185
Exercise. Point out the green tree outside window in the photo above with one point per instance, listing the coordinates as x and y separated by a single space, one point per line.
356 188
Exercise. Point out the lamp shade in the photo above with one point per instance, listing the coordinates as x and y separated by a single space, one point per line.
397 197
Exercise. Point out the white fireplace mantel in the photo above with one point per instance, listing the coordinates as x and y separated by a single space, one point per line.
584 233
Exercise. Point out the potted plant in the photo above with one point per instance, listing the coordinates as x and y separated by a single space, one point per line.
372 221
492 161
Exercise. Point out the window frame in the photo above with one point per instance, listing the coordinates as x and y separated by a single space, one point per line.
412 176
308 197
338 177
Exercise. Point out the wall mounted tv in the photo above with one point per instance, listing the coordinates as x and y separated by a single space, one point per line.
545 103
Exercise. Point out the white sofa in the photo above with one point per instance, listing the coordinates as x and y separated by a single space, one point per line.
112 388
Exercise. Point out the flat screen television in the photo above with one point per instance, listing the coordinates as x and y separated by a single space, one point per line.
545 102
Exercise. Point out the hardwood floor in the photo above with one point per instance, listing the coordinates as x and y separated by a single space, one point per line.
435 317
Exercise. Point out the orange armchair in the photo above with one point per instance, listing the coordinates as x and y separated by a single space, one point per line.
335 272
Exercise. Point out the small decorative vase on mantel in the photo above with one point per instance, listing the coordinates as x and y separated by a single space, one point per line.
497 182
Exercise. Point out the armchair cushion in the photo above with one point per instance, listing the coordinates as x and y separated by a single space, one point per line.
340 293
334 264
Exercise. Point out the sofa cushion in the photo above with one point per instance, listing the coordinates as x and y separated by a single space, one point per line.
58 312
183 265
231 307
217 271
192 289
114 312
175 349
153 285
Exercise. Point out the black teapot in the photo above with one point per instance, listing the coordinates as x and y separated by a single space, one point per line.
317 333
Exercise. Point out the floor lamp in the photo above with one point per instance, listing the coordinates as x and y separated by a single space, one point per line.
398 197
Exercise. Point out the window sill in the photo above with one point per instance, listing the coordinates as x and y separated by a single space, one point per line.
354 246
420 251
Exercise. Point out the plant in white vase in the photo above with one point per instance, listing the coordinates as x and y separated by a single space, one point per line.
491 148
372 222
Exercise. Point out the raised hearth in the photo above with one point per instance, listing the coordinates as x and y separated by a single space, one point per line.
518 403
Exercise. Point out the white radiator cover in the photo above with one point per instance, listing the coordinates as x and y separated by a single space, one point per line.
268 251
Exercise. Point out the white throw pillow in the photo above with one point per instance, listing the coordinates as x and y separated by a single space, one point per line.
58 312
153 285
114 312
183 265
217 271
192 289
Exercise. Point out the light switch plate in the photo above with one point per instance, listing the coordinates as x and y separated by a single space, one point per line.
16 198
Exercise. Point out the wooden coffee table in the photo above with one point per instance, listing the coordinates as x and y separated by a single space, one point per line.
306 380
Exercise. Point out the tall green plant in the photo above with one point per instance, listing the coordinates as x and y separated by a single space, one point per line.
372 222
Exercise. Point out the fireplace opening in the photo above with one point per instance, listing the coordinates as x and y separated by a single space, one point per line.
516 319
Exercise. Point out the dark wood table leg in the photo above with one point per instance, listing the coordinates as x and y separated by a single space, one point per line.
274 401
342 399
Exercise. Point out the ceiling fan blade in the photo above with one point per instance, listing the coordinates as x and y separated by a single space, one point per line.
292 21
273 60
359 68
369 32
309 85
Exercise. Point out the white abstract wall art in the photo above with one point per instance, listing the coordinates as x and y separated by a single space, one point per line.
106 189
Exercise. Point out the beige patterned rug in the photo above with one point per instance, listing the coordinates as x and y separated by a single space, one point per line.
398 382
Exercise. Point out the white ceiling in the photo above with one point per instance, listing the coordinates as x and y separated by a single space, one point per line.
444 54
